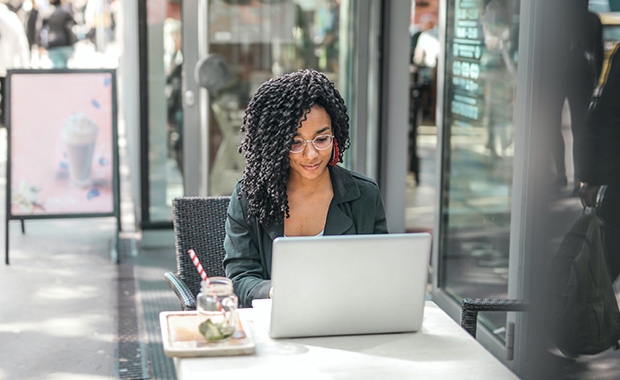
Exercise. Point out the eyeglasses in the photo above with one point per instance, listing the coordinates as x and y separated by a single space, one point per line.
321 142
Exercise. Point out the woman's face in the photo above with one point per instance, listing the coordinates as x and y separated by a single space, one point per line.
311 163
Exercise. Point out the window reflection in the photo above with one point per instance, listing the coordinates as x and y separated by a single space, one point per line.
481 68
260 39
173 68
165 123
425 46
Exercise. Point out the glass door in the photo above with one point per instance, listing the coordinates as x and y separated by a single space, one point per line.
478 151
161 58
233 46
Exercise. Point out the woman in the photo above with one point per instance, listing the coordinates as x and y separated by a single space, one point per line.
296 131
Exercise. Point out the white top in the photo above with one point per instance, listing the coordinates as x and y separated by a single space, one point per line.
14 49
317 235
441 350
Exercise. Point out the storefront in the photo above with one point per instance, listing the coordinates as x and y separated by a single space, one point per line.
514 86
201 61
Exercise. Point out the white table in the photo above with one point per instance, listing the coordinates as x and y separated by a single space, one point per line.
442 350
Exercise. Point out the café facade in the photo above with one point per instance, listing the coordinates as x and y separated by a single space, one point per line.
189 68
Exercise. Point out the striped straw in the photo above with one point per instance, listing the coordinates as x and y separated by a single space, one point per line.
198 266
203 274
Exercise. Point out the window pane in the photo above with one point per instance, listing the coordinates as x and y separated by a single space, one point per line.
261 39
481 69
165 60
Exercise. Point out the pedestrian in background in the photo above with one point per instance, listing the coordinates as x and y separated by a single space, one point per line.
57 34
33 26
14 52
601 159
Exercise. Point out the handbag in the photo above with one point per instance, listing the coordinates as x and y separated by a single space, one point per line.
584 317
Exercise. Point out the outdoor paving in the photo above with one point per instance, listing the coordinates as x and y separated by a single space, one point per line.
58 301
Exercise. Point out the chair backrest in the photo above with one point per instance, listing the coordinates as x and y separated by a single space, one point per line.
199 224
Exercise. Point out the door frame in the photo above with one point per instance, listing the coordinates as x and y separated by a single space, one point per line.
195 99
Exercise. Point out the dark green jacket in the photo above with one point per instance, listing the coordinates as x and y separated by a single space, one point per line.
357 208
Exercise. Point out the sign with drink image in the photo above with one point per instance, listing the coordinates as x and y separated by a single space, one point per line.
62 143
79 136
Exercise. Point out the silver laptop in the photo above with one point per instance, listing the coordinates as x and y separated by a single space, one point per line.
348 284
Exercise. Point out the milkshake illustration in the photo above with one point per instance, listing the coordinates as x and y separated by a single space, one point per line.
79 135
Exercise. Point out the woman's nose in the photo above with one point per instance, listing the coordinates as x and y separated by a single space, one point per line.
310 150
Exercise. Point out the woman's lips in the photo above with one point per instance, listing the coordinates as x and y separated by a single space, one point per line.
311 167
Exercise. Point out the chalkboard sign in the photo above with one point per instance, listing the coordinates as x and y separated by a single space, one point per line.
62 144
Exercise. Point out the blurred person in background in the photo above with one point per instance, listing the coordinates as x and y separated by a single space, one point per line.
600 173
14 52
423 63
13 5
100 20
33 23
499 74
57 34
173 66
583 66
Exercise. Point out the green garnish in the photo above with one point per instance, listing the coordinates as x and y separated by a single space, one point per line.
215 331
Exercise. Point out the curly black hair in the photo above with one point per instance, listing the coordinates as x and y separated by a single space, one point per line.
271 120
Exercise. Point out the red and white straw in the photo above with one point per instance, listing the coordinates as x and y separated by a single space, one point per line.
198 266
202 272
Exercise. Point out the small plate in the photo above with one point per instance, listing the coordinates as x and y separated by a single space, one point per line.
181 338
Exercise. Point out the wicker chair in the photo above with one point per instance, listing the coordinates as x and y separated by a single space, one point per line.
199 225
471 307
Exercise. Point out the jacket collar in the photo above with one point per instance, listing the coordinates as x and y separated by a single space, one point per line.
344 187
338 222
345 190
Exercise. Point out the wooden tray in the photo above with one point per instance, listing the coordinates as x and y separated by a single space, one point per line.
181 338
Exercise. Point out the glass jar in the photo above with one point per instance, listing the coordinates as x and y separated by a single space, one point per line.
217 309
